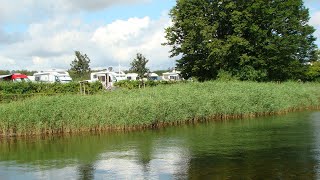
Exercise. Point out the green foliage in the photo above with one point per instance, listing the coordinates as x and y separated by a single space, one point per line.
254 40
16 91
4 72
225 76
26 72
80 65
313 72
138 65
127 84
318 55
79 77
161 104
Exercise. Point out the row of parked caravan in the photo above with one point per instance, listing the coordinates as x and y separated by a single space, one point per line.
108 78
105 77
113 76
50 76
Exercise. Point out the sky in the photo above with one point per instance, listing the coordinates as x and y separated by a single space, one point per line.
43 34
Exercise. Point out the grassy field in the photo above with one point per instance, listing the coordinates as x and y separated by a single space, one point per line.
153 107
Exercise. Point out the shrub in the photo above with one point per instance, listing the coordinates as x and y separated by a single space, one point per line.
15 91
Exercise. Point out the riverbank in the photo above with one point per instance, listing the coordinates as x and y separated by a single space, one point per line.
154 107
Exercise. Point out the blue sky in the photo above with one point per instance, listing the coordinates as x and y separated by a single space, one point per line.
39 35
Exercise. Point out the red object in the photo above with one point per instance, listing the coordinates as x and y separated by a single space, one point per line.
14 77
19 76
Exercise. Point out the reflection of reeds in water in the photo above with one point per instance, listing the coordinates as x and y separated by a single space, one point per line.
155 107
86 171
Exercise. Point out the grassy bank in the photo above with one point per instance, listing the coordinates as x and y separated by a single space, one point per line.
154 106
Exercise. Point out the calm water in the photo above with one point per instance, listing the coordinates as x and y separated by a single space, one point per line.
282 147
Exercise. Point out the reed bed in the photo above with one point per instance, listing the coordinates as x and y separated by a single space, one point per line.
154 107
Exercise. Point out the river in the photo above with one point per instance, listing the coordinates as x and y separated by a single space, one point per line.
277 147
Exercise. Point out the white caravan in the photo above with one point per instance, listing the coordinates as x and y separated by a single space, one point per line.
152 76
172 76
107 78
132 76
52 76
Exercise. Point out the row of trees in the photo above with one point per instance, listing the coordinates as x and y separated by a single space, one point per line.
250 39
26 72
80 66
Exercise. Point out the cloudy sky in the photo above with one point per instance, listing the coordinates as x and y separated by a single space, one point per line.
43 34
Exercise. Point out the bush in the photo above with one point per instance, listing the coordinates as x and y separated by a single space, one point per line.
15 91
127 84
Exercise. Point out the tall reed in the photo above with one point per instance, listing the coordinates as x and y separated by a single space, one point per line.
154 106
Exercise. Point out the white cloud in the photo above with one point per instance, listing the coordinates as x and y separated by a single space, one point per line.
122 37
32 10
126 38
121 30
6 63
315 22
8 38
97 4
51 44
315 19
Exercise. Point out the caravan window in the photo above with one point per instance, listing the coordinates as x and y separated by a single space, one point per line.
57 78
95 76
37 78
102 78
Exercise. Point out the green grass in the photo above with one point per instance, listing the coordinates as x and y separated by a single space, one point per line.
156 105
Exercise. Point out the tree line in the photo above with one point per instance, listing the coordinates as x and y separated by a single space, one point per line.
80 66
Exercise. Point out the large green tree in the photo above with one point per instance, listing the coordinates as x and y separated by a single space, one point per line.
251 39
138 65
80 65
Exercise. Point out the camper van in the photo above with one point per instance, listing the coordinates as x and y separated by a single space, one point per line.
132 76
114 76
152 76
107 78
52 76
172 76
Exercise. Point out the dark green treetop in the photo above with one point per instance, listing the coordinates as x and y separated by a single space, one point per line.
251 39
80 65
138 65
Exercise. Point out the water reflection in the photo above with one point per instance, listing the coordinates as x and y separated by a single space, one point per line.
86 171
14 172
283 147
167 163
